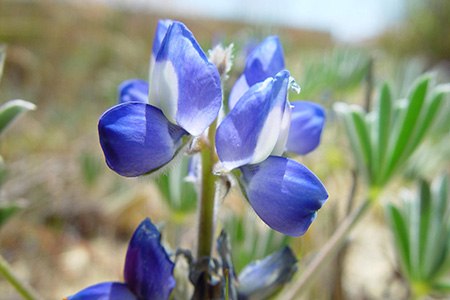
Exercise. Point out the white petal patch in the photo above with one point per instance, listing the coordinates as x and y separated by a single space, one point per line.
164 89
280 147
268 136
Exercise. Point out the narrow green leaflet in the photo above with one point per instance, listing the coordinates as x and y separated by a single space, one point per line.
11 110
384 127
401 236
2 59
408 124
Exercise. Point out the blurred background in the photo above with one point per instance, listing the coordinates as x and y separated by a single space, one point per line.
75 216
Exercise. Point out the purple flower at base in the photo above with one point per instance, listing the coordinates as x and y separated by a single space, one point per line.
148 271
184 98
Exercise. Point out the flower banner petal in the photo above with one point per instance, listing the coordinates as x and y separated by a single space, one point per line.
284 193
104 291
249 133
184 84
148 269
161 31
307 122
133 90
266 60
136 138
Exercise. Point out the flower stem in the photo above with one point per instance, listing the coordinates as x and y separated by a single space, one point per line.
329 250
24 290
207 197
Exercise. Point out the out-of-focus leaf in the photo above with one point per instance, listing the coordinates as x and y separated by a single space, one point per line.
346 111
338 71
90 168
421 229
362 132
7 211
408 124
179 193
2 59
11 110
401 236
384 125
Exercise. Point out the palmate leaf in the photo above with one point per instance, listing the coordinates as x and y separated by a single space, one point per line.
421 230
383 140
11 110
407 125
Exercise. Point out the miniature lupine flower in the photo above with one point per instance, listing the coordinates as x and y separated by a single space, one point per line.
184 99
307 119
252 137
148 271
264 61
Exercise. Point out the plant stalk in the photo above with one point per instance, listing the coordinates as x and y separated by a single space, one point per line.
26 291
328 251
207 196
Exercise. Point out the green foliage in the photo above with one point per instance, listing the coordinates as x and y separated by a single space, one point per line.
179 193
421 229
339 71
250 240
2 59
7 210
384 139
11 110
90 168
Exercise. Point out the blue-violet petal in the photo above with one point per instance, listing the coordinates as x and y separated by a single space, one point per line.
105 291
266 60
148 269
250 132
284 193
133 90
184 84
136 138
307 122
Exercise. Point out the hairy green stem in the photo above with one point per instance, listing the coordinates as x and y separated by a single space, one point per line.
24 289
329 250
207 196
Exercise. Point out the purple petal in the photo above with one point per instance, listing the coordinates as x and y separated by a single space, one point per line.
137 139
250 132
284 193
133 90
307 122
263 278
105 291
148 269
161 30
184 84
264 61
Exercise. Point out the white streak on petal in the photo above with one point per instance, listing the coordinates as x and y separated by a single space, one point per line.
268 136
164 89
280 147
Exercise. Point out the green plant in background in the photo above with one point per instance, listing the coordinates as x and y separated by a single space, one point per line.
8 113
178 192
335 72
421 230
382 142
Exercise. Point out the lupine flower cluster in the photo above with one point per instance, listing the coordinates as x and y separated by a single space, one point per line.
171 115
